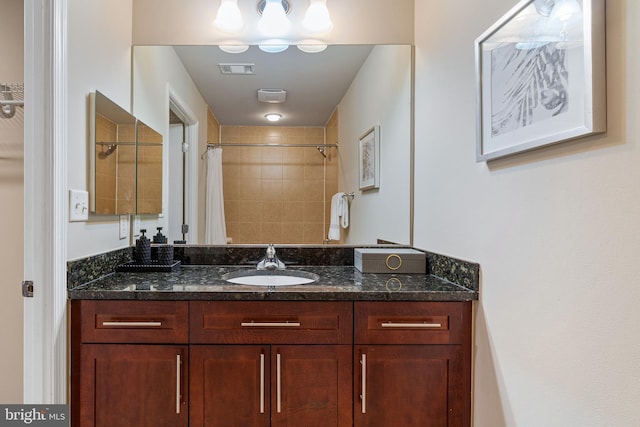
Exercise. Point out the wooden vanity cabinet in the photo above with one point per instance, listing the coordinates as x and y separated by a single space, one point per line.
129 364
412 364
271 364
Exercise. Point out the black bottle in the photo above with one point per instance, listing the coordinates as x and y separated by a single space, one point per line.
143 249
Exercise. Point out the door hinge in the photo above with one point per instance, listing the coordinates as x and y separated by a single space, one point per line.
27 289
185 228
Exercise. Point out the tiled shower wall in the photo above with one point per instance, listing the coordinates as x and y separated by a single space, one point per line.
115 173
277 194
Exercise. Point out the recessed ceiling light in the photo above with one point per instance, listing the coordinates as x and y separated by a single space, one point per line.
273 117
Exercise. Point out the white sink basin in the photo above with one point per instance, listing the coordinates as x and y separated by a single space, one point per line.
270 277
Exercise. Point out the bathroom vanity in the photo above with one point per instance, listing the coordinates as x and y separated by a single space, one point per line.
188 349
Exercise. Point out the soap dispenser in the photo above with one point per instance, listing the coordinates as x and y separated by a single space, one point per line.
159 238
143 249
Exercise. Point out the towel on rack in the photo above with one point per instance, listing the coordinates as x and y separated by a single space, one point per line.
339 215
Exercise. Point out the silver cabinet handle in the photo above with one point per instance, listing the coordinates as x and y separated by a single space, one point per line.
278 385
411 325
363 396
270 324
150 324
178 383
261 383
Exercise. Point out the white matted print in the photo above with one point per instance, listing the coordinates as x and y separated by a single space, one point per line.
540 76
369 158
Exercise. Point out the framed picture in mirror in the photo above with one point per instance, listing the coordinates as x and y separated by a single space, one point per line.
369 158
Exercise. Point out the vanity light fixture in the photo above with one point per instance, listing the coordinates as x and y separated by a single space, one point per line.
317 19
273 46
310 47
274 21
229 18
274 24
273 117
234 48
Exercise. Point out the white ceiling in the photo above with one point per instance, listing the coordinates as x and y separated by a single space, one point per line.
315 83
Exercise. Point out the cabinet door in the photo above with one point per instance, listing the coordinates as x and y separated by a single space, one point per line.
408 385
311 386
132 385
229 386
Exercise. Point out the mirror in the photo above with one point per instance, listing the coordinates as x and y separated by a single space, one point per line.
113 157
375 92
149 174
126 161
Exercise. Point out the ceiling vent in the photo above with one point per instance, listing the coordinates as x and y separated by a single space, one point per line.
236 68
272 96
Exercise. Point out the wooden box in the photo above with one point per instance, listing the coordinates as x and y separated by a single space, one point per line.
390 260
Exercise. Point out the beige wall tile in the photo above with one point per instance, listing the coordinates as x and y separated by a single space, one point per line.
313 212
266 187
293 190
293 212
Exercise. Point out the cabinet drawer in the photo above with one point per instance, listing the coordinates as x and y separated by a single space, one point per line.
411 322
272 322
131 321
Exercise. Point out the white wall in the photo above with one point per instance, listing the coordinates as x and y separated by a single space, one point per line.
157 73
99 58
379 95
556 232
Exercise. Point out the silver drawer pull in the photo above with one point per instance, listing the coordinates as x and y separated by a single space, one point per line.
278 384
270 324
262 383
137 324
178 382
363 396
411 325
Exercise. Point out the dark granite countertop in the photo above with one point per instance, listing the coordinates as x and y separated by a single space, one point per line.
337 283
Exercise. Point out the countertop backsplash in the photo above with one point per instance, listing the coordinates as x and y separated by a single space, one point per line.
86 270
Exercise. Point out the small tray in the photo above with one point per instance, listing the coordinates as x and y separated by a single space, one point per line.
133 267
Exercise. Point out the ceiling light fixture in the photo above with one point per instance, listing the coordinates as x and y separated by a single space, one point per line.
234 48
229 18
274 21
273 117
273 48
311 47
317 19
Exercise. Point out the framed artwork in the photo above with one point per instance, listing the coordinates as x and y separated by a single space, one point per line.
540 76
369 158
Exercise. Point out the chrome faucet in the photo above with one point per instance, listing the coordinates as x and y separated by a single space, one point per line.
271 261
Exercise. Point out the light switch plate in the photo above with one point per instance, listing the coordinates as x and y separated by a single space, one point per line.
124 226
78 205
136 226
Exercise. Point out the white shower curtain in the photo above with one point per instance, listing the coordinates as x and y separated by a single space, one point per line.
215 228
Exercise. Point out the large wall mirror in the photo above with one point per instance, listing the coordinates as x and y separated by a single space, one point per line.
149 173
332 97
126 161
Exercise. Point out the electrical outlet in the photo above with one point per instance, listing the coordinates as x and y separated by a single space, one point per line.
124 226
78 205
